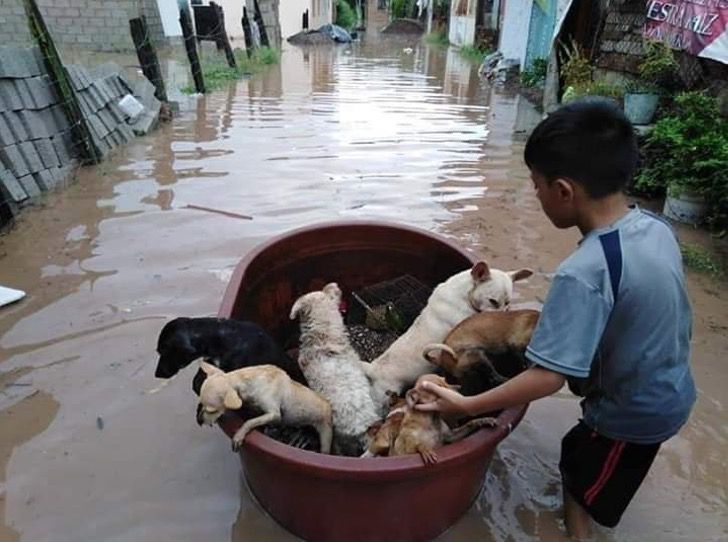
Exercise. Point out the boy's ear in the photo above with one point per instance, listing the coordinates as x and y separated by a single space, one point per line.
565 189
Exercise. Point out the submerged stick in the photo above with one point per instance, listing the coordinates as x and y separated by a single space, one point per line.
218 211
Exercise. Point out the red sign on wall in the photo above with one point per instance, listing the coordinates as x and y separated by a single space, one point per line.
699 27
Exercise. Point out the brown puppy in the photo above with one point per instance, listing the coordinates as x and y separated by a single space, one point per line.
271 390
422 432
383 433
481 339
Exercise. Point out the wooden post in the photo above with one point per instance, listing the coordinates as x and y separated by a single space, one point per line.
247 32
304 23
80 133
261 25
191 47
223 42
147 56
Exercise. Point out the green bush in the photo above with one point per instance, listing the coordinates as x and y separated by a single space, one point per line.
659 71
536 74
402 9
217 73
701 259
345 15
576 70
594 88
473 53
687 151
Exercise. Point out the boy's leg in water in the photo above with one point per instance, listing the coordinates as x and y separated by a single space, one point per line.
577 520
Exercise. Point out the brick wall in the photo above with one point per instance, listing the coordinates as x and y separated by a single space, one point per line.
92 24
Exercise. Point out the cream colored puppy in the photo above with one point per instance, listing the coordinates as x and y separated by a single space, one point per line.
270 389
459 297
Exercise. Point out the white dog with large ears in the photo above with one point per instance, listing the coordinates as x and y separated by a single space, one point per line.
462 295
269 388
333 368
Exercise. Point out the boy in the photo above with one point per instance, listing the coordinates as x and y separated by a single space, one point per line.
616 323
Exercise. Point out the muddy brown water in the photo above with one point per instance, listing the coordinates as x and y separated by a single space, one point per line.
90 450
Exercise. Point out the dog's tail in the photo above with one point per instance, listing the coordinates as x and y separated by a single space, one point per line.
447 358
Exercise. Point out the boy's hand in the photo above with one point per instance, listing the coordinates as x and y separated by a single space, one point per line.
448 402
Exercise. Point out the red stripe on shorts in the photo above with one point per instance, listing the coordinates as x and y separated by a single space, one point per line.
609 465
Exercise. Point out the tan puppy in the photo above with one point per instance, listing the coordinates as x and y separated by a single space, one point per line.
423 432
477 339
382 434
462 295
271 390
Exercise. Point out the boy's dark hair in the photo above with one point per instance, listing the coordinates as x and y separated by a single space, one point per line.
589 141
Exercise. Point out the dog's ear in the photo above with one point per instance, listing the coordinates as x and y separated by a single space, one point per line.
209 369
232 400
374 428
480 272
300 305
520 274
412 397
333 291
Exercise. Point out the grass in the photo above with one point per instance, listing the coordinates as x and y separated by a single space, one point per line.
474 54
438 37
217 73
701 259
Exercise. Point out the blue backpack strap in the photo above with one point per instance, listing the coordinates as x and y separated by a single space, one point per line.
612 248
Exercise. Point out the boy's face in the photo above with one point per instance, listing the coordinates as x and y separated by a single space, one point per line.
557 199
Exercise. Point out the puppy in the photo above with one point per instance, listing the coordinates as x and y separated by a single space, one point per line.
268 389
227 344
333 369
460 296
470 349
382 434
423 432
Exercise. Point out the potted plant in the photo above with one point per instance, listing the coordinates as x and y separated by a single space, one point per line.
658 73
686 158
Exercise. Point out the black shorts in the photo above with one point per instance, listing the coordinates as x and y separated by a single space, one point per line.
603 474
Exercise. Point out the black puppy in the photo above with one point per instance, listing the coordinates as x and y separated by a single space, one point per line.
228 344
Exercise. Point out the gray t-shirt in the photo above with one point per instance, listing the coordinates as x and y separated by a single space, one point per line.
634 352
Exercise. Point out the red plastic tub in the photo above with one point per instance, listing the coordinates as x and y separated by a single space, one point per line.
326 498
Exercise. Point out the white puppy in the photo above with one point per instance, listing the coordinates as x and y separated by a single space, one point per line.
333 368
459 297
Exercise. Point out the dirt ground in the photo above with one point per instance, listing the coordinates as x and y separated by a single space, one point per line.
92 449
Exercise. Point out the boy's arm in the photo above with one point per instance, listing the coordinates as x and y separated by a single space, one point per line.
530 385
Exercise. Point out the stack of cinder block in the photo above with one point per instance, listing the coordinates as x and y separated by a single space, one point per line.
36 147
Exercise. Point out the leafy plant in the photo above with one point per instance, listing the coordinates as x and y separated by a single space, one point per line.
594 88
658 70
473 53
576 69
701 259
402 9
345 15
217 73
536 74
687 151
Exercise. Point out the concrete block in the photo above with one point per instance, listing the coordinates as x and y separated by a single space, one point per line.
29 185
97 97
79 77
63 145
84 102
97 126
6 134
27 57
103 146
144 123
65 173
45 180
59 118
107 118
12 159
41 90
103 86
11 184
47 153
11 63
116 112
34 124
9 95
39 60
16 125
31 156
126 132
105 70
22 90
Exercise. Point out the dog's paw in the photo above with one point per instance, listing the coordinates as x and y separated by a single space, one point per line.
428 456
238 442
486 422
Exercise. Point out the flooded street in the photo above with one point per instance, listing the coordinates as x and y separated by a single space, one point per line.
89 450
